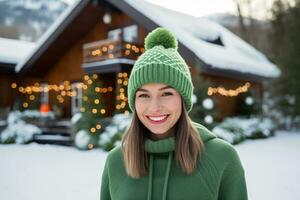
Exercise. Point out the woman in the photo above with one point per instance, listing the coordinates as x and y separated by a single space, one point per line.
164 155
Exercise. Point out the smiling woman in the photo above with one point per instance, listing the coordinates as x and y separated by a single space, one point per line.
164 155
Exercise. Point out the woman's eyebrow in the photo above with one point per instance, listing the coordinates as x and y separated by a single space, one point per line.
144 90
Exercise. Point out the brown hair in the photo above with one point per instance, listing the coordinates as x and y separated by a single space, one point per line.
186 135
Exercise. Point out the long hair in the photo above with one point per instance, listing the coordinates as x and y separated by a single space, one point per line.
186 135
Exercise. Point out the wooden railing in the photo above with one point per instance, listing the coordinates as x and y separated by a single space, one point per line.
109 49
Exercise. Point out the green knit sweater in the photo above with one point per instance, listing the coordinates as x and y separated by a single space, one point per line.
219 176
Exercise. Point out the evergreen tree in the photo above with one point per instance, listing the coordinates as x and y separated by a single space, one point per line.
285 39
92 112
203 110
248 105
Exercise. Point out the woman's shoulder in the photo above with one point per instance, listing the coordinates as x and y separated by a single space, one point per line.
115 155
215 148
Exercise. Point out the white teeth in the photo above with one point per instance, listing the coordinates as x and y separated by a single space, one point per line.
158 118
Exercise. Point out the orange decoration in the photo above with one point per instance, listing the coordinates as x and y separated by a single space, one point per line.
44 108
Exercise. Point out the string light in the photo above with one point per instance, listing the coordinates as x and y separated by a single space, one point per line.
98 126
13 85
90 146
94 110
25 105
230 92
102 111
93 130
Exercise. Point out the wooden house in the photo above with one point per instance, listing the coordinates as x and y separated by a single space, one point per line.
106 37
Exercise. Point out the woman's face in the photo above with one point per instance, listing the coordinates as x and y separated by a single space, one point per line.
158 107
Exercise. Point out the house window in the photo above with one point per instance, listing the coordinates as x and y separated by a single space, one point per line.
115 34
127 33
130 33
76 100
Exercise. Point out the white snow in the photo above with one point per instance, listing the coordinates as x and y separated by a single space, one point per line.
194 32
13 51
33 172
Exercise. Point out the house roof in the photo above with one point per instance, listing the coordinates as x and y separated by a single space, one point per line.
72 24
219 49
199 40
13 51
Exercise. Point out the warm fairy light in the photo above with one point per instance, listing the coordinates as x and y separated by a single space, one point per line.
97 89
25 105
86 77
89 81
230 92
94 110
13 85
85 98
125 83
120 75
96 101
109 88
122 90
126 112
95 76
32 97
21 89
93 130
98 126
82 109
122 96
104 49
118 107
127 52
84 87
104 90
120 81
102 111
125 74
110 55
63 93
90 146
110 46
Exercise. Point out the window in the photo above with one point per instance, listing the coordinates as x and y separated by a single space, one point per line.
76 101
127 33
130 33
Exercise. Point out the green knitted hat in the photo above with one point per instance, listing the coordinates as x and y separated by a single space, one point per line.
161 63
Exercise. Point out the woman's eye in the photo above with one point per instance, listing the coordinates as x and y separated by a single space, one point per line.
167 94
143 95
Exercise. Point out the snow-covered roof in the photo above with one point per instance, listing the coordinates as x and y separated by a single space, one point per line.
48 33
194 33
13 51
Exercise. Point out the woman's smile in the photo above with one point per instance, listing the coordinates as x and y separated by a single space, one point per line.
158 119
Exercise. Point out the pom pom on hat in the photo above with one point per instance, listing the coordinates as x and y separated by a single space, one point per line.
161 36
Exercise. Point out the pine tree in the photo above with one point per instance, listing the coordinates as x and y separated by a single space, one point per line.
203 110
92 111
285 39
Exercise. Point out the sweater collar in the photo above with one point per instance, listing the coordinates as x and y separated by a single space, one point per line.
160 146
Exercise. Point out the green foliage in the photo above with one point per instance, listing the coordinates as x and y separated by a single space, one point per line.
91 121
248 105
161 36
285 39
199 112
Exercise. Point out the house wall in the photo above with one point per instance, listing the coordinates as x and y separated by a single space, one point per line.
227 105
69 67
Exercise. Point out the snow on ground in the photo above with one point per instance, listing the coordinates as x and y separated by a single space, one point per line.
272 166
33 172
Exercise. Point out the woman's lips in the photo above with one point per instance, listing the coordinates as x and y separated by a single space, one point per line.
157 119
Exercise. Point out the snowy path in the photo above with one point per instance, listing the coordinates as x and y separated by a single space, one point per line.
34 172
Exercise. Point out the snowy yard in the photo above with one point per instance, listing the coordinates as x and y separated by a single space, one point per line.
33 172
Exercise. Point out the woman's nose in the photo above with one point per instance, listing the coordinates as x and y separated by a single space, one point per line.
155 105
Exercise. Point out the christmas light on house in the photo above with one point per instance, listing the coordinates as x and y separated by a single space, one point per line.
230 92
